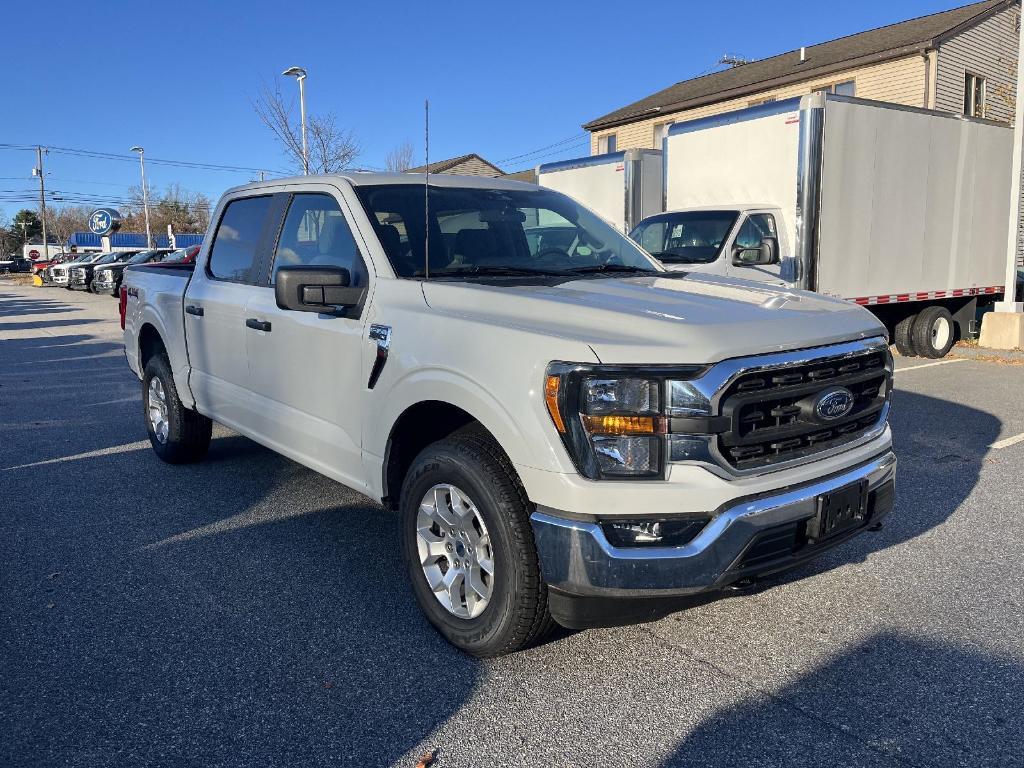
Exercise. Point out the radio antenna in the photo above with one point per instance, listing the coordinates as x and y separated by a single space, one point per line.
426 189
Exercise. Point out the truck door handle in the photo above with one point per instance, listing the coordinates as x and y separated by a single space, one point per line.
192 309
258 325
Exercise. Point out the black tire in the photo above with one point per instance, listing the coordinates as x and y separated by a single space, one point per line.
902 338
188 432
516 615
933 332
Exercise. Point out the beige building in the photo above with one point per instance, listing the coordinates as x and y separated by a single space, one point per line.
963 60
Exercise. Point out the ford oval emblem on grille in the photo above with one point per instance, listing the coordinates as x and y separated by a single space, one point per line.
834 403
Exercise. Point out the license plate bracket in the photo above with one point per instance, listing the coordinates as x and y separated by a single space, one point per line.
839 511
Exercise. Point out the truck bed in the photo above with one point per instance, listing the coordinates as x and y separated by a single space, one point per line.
155 297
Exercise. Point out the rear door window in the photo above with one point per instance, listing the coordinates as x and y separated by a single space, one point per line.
233 254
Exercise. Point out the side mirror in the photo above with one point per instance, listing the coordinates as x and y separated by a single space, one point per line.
315 289
767 253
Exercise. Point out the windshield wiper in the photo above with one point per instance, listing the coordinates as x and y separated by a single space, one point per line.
487 270
611 268
676 258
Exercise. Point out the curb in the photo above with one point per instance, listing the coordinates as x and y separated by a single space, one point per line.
980 353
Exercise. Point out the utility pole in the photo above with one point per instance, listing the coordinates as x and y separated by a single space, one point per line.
42 199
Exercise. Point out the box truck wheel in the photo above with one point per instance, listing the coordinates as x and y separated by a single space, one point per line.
902 337
933 332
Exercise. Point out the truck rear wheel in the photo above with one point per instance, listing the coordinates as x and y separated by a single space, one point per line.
902 338
178 434
933 332
468 546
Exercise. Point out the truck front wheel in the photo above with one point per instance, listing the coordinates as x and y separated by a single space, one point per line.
468 546
933 332
178 434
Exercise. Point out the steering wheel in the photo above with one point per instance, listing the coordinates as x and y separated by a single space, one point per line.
549 254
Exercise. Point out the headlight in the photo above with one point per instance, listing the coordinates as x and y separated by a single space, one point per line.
614 421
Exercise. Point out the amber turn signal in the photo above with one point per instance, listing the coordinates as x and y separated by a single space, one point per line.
620 425
551 385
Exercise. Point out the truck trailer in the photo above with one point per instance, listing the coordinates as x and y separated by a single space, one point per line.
622 187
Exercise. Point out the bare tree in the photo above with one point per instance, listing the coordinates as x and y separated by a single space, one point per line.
62 223
399 159
184 211
331 148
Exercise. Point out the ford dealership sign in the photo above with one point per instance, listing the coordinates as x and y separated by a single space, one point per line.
104 221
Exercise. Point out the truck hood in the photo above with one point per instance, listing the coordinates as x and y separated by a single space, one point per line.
654 320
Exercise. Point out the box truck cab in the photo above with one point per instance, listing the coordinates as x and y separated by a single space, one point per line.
745 241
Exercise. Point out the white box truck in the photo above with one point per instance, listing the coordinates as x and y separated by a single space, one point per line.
623 187
899 209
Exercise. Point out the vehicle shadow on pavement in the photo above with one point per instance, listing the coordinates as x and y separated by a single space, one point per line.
892 699
939 467
37 324
239 611
14 308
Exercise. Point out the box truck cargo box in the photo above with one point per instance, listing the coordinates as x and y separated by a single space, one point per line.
900 209
622 187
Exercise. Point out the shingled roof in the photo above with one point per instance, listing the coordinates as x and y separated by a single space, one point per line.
443 166
870 47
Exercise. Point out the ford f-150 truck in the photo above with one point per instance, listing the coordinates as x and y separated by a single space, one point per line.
569 432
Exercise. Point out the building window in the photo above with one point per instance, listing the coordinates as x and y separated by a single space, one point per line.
606 144
845 88
974 95
660 132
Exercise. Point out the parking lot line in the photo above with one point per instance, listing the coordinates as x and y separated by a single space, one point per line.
929 365
1007 442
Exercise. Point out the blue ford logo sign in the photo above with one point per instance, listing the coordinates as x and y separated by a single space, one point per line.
834 403
103 221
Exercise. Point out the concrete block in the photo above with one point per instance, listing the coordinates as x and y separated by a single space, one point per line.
1002 330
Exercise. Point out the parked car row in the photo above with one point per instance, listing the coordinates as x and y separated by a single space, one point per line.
103 272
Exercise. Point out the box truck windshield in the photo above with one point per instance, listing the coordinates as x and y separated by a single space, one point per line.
685 237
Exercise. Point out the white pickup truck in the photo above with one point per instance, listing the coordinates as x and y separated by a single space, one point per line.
568 431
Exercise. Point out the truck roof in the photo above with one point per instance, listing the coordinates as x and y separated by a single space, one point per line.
360 178
725 207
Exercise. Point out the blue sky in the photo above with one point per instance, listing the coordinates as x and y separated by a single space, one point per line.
503 79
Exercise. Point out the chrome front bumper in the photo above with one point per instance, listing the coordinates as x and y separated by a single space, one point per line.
577 559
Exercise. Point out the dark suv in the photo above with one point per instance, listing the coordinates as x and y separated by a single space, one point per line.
107 277
80 275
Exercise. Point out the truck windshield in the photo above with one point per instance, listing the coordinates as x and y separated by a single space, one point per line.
688 237
496 232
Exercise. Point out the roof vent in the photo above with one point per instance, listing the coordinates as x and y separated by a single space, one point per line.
803 54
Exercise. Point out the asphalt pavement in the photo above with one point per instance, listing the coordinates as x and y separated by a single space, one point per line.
246 611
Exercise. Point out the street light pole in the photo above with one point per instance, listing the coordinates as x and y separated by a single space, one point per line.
145 192
300 74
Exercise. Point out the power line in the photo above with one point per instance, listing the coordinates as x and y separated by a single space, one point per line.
577 137
532 161
98 155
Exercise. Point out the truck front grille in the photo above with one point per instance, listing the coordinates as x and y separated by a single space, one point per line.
774 414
